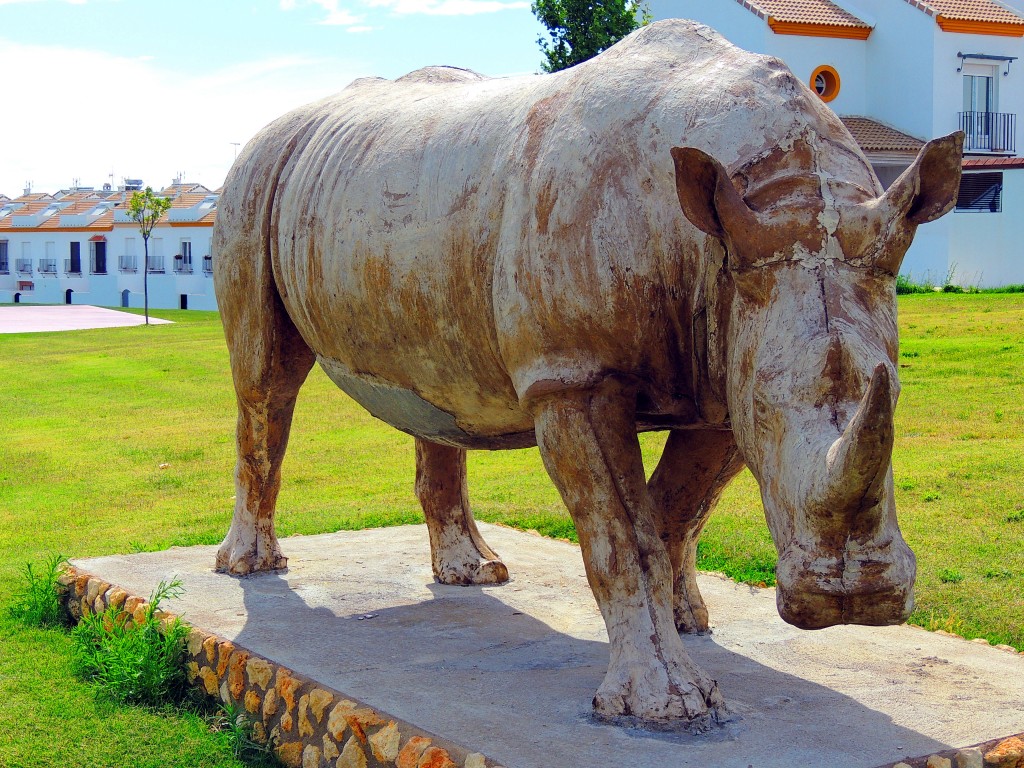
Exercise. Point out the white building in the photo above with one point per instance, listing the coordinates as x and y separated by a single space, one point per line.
901 72
79 246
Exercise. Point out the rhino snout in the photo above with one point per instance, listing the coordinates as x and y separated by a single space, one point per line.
872 585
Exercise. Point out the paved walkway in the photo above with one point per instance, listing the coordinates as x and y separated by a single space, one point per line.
27 318
510 670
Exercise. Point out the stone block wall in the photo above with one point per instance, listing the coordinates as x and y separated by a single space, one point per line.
309 725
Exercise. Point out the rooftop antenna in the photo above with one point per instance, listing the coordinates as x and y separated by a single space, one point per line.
235 144
28 187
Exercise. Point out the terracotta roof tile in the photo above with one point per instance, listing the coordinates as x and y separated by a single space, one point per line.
998 163
188 199
873 136
805 12
971 10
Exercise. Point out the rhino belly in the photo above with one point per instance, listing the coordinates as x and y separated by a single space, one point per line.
408 411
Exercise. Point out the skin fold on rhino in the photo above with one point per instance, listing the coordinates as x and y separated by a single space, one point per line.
676 235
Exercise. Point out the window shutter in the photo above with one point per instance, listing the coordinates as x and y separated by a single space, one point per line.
981 192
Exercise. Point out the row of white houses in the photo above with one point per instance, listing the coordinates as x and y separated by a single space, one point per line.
79 246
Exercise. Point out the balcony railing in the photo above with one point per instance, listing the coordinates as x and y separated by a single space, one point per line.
989 131
181 266
127 263
48 266
156 264
24 266
73 268
207 265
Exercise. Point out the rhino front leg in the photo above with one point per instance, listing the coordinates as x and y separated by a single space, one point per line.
589 445
694 469
457 550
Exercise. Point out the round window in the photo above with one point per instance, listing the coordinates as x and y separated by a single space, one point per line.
825 82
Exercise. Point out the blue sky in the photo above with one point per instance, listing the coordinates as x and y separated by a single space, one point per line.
149 89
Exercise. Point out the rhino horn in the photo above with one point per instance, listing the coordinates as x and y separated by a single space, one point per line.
857 462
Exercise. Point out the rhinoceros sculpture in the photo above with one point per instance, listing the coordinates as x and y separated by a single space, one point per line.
676 235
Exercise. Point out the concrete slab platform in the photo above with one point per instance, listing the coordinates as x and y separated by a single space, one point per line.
26 318
510 670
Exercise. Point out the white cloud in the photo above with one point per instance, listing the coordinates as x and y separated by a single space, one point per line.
448 7
141 118
338 16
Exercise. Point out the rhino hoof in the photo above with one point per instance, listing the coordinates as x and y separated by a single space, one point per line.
691 619
472 572
647 701
242 561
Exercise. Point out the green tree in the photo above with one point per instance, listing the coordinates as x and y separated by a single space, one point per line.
145 209
580 30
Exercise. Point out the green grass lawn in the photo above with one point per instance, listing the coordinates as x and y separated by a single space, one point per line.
121 440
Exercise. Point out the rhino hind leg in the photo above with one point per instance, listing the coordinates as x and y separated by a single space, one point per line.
458 552
269 363
589 445
694 469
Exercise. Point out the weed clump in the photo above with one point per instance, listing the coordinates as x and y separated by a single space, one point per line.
235 731
950 576
38 603
134 662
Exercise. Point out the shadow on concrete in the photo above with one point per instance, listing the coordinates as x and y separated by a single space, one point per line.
473 669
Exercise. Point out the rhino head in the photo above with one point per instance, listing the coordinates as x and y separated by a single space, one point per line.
807 351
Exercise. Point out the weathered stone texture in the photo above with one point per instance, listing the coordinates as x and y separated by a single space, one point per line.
260 672
409 756
1008 753
236 673
318 701
290 753
308 724
311 757
352 756
385 742
270 704
969 758
224 649
252 702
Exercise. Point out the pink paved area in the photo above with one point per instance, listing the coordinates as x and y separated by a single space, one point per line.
27 318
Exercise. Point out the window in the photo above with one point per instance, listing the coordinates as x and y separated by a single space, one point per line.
75 258
979 93
129 246
183 261
981 192
156 254
825 82
98 256
5 267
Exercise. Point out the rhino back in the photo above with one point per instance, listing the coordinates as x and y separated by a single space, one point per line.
446 243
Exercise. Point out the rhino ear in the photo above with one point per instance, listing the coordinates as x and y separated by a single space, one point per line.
928 188
708 198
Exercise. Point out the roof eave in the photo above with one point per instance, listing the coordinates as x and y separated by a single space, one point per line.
808 29
964 26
